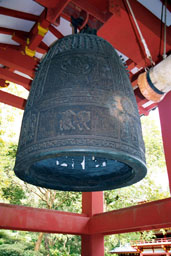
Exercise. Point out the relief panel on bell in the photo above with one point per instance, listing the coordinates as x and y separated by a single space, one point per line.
77 120
77 72
87 120
74 121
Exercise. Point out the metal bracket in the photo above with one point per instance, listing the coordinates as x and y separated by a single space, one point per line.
41 30
29 52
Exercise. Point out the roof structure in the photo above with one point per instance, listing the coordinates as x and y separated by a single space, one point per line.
161 246
126 249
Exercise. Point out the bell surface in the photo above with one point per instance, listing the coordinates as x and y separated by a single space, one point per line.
81 129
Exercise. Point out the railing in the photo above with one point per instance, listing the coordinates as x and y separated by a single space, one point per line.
152 241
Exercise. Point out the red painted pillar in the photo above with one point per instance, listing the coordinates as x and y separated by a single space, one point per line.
92 245
165 120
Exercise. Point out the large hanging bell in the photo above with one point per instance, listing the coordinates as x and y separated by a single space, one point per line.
81 129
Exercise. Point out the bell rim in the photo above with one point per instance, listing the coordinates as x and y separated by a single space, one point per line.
139 168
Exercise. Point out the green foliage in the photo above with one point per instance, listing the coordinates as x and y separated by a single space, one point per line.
153 143
13 193
11 250
7 237
148 235
12 150
31 253
17 250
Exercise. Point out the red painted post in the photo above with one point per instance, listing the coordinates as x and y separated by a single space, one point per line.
165 120
92 245
92 203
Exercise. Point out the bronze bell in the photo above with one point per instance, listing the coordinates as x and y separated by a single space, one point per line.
81 129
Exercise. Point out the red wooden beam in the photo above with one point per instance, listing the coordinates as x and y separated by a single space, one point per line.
41 220
56 32
152 106
93 10
165 121
130 64
12 100
54 9
18 14
42 48
121 32
139 97
18 61
19 38
9 31
153 215
38 31
22 40
47 17
12 77
9 46
143 111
